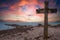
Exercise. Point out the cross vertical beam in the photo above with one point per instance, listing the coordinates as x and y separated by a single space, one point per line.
46 21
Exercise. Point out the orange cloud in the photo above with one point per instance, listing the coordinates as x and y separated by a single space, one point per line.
25 2
32 7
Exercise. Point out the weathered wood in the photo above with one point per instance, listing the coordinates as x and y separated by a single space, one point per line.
46 10
51 10
46 21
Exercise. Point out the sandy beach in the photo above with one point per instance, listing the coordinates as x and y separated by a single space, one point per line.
30 33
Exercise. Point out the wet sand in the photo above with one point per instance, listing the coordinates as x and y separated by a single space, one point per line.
30 33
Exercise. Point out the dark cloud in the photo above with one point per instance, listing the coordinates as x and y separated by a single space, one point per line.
58 4
4 8
8 1
40 0
5 4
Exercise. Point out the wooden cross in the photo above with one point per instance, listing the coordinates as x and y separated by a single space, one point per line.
46 10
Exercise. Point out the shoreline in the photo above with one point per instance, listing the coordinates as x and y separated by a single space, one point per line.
30 33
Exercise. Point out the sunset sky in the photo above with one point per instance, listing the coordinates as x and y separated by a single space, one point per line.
25 10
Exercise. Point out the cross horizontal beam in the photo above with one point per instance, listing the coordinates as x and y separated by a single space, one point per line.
51 10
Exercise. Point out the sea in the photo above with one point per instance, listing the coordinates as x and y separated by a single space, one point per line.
5 27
